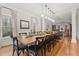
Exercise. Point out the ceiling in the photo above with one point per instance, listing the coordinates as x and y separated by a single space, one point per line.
62 10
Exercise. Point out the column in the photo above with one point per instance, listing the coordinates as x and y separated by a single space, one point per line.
43 24
14 22
0 23
77 27
74 26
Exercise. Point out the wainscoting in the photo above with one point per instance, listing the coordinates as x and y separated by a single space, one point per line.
5 41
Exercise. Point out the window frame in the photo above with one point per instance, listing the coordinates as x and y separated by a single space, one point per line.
5 26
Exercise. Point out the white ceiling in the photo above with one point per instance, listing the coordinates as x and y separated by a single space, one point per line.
62 10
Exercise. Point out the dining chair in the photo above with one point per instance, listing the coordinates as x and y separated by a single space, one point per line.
34 49
48 43
18 47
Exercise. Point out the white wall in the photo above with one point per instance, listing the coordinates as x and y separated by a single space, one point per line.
31 19
22 16
48 24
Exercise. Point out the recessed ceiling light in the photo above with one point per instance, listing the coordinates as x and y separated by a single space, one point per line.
42 15
46 17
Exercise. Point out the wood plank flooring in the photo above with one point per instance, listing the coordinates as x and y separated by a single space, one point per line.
63 48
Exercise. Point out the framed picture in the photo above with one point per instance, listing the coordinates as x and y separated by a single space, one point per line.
24 24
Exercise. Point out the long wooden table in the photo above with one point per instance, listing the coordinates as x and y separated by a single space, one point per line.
29 40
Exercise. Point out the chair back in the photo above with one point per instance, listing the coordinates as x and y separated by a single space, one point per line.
15 41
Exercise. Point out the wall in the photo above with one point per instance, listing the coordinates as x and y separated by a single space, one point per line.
22 16
32 20
28 17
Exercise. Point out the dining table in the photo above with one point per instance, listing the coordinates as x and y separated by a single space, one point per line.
29 40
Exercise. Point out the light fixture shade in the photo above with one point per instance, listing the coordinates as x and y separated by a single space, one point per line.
51 19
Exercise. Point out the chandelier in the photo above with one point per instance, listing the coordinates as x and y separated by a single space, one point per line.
45 14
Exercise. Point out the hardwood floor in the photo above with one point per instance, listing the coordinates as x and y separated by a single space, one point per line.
68 48
63 48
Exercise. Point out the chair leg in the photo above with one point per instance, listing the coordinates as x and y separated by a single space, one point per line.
23 52
42 52
48 47
36 53
26 51
45 51
13 51
17 52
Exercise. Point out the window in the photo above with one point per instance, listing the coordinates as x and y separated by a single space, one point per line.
6 25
